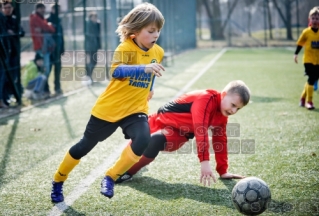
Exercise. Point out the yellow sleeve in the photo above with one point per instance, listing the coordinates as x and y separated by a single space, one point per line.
126 54
303 38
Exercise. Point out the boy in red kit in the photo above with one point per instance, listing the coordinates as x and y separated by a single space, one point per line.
192 115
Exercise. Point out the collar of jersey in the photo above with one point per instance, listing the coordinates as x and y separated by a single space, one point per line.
138 48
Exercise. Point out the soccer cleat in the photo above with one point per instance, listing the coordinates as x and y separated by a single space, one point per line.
57 192
107 187
302 102
310 106
125 177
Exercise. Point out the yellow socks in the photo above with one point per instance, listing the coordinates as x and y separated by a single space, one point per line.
304 92
124 163
309 93
65 168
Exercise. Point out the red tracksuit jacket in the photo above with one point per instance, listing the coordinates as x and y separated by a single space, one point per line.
38 26
197 112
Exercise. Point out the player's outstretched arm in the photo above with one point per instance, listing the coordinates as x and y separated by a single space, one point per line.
154 68
206 173
231 176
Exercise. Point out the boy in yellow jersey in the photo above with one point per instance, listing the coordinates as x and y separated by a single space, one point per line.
310 40
315 86
124 102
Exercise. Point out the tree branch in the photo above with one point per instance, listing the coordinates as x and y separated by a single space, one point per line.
229 14
280 12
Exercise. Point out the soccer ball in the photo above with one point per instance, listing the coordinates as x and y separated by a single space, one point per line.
251 196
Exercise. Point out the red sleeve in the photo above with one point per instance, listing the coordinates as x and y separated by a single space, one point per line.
202 109
220 148
37 22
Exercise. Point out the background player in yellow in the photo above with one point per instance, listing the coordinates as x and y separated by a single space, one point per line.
309 38
136 62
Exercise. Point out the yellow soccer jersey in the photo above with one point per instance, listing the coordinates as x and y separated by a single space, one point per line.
310 40
127 96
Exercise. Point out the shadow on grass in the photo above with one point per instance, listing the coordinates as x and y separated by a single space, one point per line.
315 110
229 183
72 212
259 99
6 155
7 150
173 191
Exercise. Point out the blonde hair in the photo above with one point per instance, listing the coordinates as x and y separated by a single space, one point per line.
139 17
314 11
240 88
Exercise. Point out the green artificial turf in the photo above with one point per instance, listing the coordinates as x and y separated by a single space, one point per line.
283 147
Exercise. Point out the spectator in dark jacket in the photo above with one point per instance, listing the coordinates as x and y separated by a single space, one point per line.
14 31
92 42
4 49
59 47
41 32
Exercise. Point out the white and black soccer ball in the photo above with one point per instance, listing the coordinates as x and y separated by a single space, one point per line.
251 196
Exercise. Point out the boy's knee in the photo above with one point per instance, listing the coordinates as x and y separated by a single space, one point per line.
84 146
143 138
311 81
140 143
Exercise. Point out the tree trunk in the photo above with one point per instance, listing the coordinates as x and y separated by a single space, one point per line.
249 23
287 19
214 15
288 15
232 7
217 22
269 21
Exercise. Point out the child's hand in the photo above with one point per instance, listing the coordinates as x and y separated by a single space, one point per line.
206 173
154 68
296 58
150 95
231 176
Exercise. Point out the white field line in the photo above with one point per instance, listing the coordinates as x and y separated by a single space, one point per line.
82 187
201 73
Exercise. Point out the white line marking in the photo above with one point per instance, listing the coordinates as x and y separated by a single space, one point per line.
82 187
201 73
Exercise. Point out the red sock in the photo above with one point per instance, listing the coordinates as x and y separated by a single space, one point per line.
139 165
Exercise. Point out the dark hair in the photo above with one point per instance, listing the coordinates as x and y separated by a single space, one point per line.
39 5
6 2
38 56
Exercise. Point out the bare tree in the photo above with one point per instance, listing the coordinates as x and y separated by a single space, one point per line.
286 19
269 20
230 11
214 14
250 8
